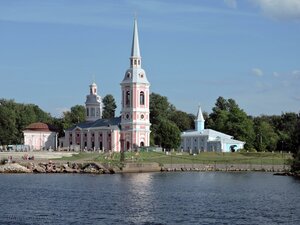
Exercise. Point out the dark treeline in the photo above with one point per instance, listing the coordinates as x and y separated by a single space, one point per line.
261 133
15 117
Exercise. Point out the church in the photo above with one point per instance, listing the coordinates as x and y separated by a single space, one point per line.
207 140
128 131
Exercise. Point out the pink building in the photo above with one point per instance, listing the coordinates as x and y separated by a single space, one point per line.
132 128
40 136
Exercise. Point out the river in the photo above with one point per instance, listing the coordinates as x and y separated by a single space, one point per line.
150 198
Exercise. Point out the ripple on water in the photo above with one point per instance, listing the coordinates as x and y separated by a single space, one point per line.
152 198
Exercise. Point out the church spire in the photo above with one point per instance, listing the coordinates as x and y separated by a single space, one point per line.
135 58
199 121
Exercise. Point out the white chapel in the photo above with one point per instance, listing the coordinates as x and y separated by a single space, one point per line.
207 140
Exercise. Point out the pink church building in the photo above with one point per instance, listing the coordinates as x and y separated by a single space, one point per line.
127 132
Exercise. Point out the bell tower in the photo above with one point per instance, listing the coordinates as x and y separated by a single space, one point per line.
135 114
93 104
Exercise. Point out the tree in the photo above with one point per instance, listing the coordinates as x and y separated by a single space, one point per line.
266 137
168 134
14 117
228 118
183 120
109 107
76 115
160 109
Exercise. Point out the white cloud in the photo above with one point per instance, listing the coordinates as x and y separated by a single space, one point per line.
231 3
280 9
257 72
276 74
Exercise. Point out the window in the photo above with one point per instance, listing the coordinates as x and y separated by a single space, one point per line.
87 111
127 98
92 111
142 98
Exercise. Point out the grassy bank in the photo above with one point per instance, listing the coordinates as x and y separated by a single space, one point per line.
264 158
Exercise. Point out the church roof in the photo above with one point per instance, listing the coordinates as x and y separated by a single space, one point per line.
135 75
135 49
206 132
212 135
199 115
40 127
93 99
98 123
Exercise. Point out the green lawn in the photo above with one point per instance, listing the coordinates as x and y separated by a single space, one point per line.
266 158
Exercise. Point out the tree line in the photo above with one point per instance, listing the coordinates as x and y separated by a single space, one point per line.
261 133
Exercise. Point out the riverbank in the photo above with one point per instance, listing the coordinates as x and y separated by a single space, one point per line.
100 168
108 163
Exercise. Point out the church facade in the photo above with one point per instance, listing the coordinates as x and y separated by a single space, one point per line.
207 140
128 131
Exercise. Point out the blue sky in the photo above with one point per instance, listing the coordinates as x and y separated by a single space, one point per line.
193 51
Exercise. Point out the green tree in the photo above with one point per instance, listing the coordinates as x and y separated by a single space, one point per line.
76 115
168 134
14 117
228 118
266 137
160 109
8 128
183 120
109 107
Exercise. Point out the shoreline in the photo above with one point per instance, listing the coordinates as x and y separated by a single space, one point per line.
133 167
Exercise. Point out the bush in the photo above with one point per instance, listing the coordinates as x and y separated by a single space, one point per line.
247 150
3 161
295 167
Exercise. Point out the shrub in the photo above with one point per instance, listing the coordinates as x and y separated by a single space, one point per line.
3 161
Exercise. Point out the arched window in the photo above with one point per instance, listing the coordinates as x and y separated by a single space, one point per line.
142 98
127 98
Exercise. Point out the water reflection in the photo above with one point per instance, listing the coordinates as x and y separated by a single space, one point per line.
150 198
139 191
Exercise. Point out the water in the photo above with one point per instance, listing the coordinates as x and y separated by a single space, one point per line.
150 198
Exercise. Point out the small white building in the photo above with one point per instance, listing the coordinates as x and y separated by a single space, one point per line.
40 136
207 140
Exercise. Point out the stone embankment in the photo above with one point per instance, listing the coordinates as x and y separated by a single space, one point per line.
14 168
225 167
50 167
99 168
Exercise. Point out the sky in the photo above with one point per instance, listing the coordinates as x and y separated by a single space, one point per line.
193 51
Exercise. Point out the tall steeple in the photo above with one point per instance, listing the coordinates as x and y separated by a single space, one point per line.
199 121
135 113
135 49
